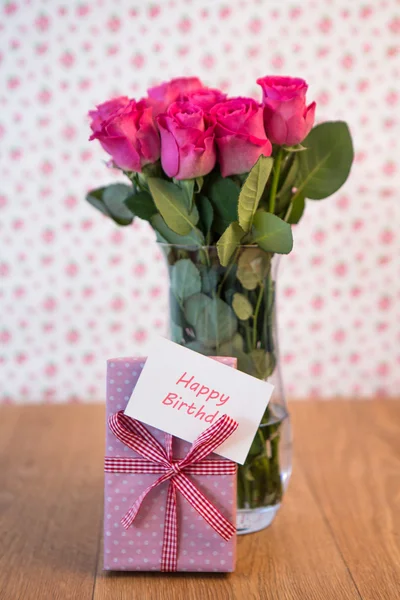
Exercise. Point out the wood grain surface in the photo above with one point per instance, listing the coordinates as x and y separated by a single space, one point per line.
336 537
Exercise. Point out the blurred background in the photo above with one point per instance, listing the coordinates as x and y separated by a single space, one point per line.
76 289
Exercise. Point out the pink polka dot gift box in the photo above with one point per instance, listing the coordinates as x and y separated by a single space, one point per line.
159 516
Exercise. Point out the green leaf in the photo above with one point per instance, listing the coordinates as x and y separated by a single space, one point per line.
253 266
325 166
252 190
114 197
171 202
185 279
234 347
242 307
141 205
206 213
175 310
176 332
296 148
187 186
228 242
224 195
289 177
213 320
296 210
198 347
193 238
209 279
271 233
263 363
235 344
199 184
95 198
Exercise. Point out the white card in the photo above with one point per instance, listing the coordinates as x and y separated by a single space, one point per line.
182 393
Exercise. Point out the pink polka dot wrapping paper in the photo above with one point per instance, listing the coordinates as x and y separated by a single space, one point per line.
139 548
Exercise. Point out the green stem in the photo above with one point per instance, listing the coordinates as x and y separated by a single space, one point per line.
227 271
275 180
294 197
255 318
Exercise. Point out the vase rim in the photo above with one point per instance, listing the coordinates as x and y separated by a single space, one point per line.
196 247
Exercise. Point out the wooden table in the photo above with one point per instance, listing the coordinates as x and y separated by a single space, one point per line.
336 537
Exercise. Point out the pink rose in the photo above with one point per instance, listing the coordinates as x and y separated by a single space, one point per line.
240 135
287 119
130 136
105 110
187 141
161 96
206 98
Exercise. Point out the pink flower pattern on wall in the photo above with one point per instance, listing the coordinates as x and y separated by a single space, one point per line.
76 290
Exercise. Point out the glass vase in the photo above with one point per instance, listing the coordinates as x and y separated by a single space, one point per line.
231 311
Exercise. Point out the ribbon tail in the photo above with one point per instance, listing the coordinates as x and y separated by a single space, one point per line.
130 516
208 511
169 557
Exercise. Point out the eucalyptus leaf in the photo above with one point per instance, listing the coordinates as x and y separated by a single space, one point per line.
209 279
242 306
114 197
253 266
271 233
172 204
213 320
198 347
235 348
194 238
176 333
228 242
325 166
185 279
296 210
141 205
252 190
194 306
175 311
95 198
224 195
263 363
235 344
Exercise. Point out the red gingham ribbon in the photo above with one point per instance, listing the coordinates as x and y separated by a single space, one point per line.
158 460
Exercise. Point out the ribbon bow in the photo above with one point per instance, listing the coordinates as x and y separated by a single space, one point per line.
159 460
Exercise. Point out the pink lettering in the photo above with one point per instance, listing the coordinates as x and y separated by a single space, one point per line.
210 418
191 409
213 395
185 382
222 400
200 413
203 391
169 399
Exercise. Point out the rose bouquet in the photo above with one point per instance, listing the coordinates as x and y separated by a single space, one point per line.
221 181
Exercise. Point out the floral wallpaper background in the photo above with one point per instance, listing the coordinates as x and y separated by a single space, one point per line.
75 289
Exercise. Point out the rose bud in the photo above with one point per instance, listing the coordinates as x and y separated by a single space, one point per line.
187 141
161 96
206 98
130 136
240 135
105 110
287 119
